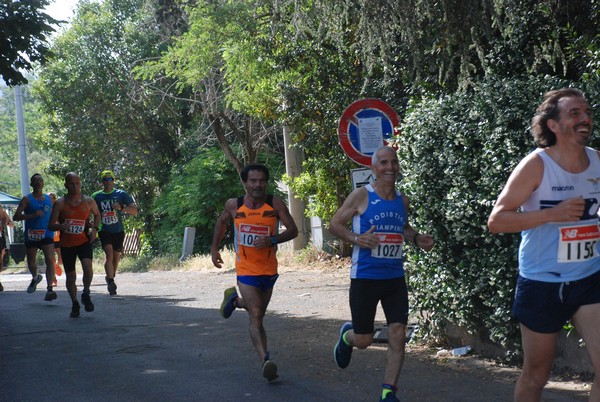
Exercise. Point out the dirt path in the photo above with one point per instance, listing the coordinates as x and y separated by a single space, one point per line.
161 338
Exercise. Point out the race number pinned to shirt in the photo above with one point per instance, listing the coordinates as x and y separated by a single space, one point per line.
249 233
35 234
75 226
390 246
109 217
578 243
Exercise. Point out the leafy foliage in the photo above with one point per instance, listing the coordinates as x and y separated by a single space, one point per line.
457 152
221 65
24 31
99 116
195 196
38 156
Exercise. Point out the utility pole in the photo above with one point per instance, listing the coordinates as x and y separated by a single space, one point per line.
22 143
293 159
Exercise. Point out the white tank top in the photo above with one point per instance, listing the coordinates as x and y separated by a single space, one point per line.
565 251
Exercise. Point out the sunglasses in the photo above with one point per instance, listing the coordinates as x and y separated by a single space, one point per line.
108 179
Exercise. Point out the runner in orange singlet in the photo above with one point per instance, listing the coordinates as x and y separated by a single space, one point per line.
69 215
256 216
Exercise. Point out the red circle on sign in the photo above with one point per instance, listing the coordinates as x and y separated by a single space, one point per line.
350 116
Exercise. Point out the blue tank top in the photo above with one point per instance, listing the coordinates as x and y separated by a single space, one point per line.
36 229
563 251
386 260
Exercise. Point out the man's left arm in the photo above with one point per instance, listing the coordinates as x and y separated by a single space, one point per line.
421 240
96 212
129 206
291 230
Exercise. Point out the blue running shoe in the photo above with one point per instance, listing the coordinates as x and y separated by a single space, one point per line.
342 353
227 306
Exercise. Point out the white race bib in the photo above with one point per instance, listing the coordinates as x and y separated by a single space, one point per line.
35 234
109 217
578 243
390 246
76 226
247 234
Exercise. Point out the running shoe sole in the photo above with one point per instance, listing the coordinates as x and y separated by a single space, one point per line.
227 304
269 371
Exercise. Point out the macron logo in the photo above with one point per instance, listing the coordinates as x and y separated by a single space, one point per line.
375 202
563 188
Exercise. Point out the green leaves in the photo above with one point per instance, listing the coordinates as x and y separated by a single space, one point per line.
456 153
24 31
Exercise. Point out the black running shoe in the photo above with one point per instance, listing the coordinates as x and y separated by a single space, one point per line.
87 302
75 310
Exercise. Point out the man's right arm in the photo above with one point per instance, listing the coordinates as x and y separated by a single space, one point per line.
353 205
524 180
53 222
20 214
220 230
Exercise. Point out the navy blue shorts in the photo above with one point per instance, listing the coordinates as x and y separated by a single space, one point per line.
70 254
365 294
545 307
263 282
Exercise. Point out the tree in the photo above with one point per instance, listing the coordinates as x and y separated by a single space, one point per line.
24 31
97 111
39 157
221 63
100 116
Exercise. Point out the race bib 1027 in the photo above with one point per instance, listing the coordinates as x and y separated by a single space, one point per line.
390 246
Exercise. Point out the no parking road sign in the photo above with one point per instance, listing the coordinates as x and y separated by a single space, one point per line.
366 125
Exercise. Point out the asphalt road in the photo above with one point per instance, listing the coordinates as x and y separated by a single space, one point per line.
162 339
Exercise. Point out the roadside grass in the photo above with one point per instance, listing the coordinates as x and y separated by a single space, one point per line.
289 259
308 258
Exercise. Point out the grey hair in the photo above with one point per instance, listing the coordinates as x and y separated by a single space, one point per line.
375 157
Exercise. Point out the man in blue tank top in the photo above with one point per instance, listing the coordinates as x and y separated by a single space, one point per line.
552 198
35 210
379 216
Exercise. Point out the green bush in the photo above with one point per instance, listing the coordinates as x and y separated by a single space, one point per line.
195 196
456 153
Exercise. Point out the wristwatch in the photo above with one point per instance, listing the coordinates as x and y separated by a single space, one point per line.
274 240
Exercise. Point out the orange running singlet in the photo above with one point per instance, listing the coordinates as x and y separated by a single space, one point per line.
249 224
76 217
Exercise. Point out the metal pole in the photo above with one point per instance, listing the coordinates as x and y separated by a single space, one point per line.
22 143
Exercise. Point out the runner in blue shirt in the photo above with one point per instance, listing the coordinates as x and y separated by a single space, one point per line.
112 203
35 210
380 229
